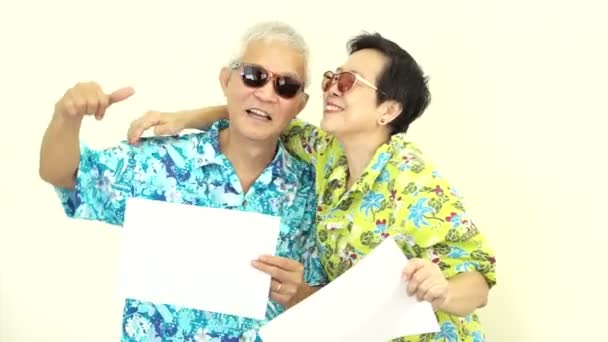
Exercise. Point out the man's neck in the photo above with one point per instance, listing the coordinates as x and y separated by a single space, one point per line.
359 150
249 158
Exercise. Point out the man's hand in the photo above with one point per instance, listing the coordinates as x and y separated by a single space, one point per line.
287 286
60 150
425 280
88 99
163 123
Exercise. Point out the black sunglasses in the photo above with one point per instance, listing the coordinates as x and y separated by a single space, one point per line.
256 76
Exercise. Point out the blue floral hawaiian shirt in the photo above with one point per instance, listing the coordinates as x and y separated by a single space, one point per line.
190 169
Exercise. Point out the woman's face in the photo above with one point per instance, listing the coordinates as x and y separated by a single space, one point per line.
354 112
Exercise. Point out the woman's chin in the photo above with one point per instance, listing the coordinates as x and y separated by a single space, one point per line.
328 125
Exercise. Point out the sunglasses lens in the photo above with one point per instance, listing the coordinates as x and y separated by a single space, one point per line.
346 80
328 76
287 87
254 76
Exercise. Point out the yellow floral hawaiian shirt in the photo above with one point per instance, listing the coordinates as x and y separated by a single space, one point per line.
399 195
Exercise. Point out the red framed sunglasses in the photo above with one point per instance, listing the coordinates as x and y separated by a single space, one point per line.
345 81
256 76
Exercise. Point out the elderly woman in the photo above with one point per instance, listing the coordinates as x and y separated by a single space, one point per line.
373 183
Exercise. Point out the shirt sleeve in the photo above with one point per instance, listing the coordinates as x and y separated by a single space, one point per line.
304 140
442 231
103 184
314 273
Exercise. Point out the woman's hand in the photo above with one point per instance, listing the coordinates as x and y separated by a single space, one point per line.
172 123
164 123
425 280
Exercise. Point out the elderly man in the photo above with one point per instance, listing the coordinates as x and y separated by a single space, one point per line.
237 164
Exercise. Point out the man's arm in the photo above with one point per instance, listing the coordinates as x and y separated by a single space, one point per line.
91 184
60 149
293 281
314 273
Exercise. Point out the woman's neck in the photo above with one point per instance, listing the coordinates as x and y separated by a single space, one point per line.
359 151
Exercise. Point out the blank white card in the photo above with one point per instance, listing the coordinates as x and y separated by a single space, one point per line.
196 257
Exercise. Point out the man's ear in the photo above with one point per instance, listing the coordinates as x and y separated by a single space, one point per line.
389 110
225 74
302 102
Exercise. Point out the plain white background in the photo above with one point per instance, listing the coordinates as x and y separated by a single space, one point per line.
517 123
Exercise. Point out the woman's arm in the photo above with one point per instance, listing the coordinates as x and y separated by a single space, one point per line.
171 123
301 139
460 295
451 264
304 140
466 292
203 118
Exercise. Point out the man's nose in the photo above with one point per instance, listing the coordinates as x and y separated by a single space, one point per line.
267 93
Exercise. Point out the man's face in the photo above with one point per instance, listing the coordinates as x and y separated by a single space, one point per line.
260 113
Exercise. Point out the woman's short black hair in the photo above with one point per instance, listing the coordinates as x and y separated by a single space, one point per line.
401 80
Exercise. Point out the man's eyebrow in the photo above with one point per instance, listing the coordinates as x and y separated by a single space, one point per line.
292 75
287 73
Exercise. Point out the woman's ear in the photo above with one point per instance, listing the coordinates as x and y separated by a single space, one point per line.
389 111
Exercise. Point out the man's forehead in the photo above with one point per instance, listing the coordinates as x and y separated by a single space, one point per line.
277 57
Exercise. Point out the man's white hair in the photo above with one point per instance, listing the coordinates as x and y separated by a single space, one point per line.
275 31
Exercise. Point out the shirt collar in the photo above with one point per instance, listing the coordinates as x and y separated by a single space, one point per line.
281 165
398 144
210 153
209 149
371 173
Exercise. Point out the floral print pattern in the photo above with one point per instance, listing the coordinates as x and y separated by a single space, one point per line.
190 169
401 195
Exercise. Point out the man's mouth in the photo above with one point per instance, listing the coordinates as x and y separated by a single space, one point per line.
259 114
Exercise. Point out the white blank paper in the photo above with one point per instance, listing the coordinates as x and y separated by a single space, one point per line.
196 257
368 303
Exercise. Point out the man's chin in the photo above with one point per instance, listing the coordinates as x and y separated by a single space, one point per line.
257 135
